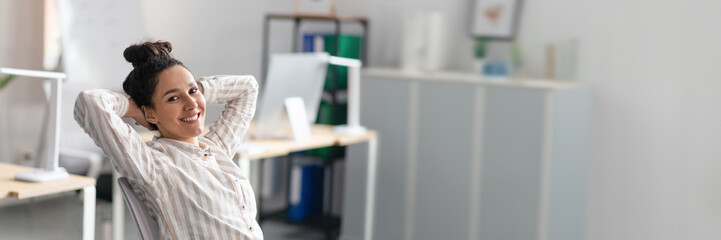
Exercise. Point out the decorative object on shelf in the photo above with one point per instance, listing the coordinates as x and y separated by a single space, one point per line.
480 48
496 70
479 53
497 19
422 47
516 60
492 65
562 60
315 7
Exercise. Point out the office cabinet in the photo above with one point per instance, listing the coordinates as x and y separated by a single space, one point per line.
463 157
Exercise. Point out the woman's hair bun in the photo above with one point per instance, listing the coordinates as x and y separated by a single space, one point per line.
140 53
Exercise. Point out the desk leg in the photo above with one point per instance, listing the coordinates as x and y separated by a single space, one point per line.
89 213
370 187
118 211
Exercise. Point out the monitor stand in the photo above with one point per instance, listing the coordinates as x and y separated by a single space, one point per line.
269 135
349 130
251 148
42 175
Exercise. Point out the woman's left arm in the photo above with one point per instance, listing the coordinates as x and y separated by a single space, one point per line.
240 94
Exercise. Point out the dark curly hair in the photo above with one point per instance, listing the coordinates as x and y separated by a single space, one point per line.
149 59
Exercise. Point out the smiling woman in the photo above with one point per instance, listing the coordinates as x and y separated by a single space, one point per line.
188 181
178 106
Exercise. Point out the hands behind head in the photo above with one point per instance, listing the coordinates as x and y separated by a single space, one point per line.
137 114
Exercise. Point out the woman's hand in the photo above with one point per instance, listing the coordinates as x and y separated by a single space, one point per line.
137 114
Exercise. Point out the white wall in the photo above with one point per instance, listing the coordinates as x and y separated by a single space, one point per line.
655 162
213 37
220 36
654 172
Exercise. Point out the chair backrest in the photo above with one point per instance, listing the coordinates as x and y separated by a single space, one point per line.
147 225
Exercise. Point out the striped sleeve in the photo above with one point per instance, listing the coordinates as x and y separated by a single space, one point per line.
240 94
99 113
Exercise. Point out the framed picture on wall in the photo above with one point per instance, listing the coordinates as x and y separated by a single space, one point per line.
315 7
495 19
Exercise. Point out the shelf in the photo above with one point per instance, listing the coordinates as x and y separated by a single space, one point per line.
333 95
317 17
298 18
461 77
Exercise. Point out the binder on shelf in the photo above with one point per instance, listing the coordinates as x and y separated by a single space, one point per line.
349 46
306 190
333 111
330 114
313 42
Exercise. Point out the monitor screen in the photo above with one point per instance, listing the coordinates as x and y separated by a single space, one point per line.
289 75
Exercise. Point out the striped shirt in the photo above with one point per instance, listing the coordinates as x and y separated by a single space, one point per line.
192 192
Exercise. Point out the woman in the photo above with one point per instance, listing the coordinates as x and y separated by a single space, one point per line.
188 181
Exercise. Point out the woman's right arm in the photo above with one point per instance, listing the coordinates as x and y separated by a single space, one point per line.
99 113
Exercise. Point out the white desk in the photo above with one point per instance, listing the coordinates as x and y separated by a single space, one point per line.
9 187
321 136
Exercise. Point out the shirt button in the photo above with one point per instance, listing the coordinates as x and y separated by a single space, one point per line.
243 206
250 228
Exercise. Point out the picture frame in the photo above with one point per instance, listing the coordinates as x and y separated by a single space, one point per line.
495 19
315 7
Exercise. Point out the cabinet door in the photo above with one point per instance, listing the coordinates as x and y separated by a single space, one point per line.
513 136
570 155
445 143
385 109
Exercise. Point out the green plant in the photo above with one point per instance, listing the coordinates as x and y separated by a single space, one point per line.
516 56
4 81
479 49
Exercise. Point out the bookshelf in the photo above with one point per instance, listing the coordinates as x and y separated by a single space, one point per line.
331 109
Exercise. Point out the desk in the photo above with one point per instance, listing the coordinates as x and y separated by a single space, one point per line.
321 136
9 187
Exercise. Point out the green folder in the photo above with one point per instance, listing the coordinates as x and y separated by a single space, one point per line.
331 115
348 47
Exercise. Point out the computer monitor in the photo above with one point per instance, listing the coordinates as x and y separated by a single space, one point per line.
289 75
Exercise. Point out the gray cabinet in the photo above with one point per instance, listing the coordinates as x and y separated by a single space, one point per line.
462 157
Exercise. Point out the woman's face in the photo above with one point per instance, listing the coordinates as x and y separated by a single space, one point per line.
178 105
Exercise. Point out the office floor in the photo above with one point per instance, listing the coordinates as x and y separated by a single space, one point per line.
60 217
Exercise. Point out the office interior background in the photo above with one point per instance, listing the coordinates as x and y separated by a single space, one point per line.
653 170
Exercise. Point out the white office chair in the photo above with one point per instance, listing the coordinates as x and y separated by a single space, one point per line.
147 225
